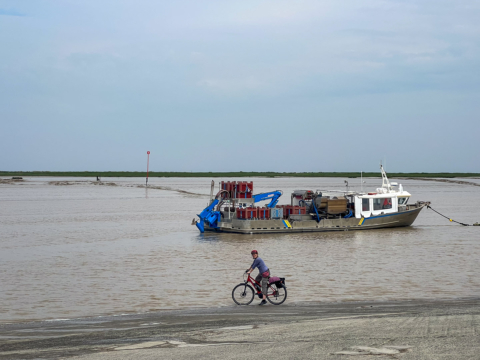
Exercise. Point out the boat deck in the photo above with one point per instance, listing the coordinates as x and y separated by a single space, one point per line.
242 226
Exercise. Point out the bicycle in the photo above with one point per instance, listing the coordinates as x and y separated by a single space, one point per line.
243 293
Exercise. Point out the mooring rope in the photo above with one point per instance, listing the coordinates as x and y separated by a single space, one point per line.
446 217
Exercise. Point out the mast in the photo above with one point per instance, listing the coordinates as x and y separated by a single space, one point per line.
385 181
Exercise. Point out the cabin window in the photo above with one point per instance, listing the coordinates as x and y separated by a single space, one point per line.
365 204
382 203
402 200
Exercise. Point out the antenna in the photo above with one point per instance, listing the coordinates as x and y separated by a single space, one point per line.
385 182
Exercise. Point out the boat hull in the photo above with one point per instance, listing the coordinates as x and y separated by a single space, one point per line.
240 226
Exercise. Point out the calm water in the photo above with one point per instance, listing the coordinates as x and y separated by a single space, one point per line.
70 248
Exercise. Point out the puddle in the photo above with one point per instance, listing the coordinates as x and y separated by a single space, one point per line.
366 350
243 327
144 345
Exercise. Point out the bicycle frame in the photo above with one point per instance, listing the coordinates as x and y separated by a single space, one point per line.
254 282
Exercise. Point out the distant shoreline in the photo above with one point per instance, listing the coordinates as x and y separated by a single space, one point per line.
234 174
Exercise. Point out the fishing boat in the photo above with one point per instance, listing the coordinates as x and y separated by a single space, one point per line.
234 209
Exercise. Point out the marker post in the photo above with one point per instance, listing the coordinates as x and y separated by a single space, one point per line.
148 160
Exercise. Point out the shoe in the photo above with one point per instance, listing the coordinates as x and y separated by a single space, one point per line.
260 296
264 302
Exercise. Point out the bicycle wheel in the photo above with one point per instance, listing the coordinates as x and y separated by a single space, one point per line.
276 296
243 294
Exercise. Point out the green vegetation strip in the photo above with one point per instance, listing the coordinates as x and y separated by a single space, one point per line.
232 174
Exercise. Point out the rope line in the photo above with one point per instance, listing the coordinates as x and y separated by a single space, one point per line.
446 217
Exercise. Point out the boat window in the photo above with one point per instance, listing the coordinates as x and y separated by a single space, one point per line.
382 203
402 200
365 204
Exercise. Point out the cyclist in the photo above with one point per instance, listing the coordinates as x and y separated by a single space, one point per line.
263 274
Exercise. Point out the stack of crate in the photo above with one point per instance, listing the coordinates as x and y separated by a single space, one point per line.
238 189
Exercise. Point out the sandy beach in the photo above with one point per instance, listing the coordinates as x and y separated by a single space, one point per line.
388 330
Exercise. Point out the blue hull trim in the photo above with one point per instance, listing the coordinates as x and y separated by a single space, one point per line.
386 215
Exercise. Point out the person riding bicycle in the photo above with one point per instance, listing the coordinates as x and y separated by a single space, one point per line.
263 274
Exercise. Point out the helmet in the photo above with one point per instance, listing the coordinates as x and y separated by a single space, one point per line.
254 252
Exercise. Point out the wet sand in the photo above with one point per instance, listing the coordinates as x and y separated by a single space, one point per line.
390 330
451 181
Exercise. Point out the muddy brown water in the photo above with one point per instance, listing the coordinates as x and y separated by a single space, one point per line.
71 247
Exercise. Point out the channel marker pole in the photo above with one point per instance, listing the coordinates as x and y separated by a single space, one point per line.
148 160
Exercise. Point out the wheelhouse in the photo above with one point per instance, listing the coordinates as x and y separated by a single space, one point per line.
374 204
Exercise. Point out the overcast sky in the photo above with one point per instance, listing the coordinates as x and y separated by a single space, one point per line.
240 85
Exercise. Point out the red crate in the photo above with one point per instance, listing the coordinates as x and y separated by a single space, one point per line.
286 211
298 210
263 213
241 213
242 186
293 210
252 213
244 189
240 195
225 185
247 213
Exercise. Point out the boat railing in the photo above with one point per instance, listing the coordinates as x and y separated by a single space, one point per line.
345 193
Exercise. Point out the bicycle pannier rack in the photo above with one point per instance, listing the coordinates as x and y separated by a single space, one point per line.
281 283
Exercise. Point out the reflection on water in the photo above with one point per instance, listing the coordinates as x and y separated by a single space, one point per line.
81 249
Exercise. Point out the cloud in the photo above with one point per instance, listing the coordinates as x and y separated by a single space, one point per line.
11 12
169 74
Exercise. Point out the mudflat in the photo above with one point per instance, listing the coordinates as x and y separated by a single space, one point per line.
417 329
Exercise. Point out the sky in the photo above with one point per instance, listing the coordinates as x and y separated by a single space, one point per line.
333 85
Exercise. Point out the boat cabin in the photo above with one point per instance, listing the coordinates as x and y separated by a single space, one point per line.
374 204
388 199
